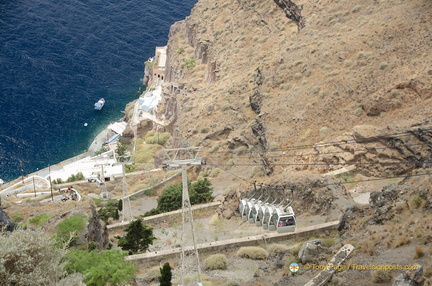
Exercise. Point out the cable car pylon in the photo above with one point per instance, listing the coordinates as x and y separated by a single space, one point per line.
183 158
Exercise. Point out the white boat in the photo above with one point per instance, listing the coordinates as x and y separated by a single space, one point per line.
98 105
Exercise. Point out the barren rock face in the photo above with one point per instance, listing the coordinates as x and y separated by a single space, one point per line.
5 222
286 74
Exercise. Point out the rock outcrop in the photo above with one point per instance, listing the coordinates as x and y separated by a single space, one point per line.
5 222
410 278
382 202
97 231
249 61
312 251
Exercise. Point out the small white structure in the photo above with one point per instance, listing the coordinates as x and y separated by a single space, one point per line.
92 168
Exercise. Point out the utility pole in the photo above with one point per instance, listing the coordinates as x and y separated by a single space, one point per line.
127 209
34 187
183 158
22 171
49 171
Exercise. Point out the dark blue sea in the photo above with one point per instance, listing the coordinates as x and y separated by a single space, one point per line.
57 58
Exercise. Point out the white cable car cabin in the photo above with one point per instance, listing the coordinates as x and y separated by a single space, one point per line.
242 205
248 209
260 215
285 220
267 216
254 213
254 207
244 202
268 210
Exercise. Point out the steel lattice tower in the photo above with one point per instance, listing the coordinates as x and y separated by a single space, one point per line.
190 263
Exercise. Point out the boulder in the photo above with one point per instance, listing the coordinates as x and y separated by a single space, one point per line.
382 202
346 212
5 222
311 251
410 278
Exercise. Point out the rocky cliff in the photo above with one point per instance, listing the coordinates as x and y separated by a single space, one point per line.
253 80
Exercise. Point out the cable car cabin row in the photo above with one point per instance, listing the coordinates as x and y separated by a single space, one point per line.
271 217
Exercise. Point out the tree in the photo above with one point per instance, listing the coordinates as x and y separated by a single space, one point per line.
120 205
171 198
110 210
138 237
121 149
201 192
166 275
99 268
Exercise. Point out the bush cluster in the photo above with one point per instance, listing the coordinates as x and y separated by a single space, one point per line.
171 197
99 268
39 220
29 258
277 248
111 209
216 261
153 137
252 252
67 229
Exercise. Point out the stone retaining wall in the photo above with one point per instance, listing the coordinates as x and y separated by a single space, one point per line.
157 257
163 217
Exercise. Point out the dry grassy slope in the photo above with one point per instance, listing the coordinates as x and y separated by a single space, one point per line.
355 62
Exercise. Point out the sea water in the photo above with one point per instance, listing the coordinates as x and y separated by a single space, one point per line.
57 58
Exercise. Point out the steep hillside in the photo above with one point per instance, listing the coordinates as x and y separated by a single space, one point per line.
245 78
282 93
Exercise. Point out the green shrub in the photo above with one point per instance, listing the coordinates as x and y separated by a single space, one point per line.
189 63
121 150
130 168
57 181
16 217
381 277
152 212
97 202
419 252
416 201
78 177
110 210
150 192
100 268
39 220
252 252
67 229
216 261
153 137
296 248
101 150
277 248
215 173
166 275
145 153
328 242
152 274
171 197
